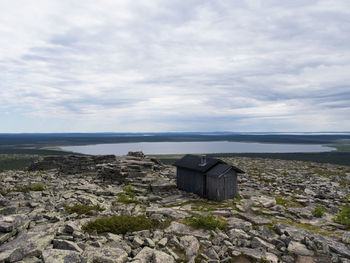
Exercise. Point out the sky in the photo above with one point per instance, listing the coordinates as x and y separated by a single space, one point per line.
169 65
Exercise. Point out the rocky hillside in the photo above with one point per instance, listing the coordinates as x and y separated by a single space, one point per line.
127 209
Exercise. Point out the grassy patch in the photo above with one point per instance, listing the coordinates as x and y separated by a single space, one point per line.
129 190
121 224
123 198
347 199
344 183
208 222
267 180
343 216
309 227
281 201
318 211
83 209
287 203
26 189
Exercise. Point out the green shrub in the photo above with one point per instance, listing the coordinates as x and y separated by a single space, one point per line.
121 224
281 201
318 211
347 199
27 188
343 216
83 209
129 190
126 200
208 222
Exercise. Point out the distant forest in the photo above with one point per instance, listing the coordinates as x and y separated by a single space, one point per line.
65 139
28 147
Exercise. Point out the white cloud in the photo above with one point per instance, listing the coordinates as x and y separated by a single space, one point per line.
169 65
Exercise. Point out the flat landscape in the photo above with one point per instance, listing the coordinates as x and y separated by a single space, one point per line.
19 150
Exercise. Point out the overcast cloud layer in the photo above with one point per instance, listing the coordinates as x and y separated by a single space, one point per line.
169 65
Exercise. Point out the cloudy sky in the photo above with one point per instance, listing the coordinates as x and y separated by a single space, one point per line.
169 65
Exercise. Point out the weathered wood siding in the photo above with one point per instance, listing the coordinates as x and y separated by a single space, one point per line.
223 187
191 181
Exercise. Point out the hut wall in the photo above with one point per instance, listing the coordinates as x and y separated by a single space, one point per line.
223 187
191 181
235 184
215 188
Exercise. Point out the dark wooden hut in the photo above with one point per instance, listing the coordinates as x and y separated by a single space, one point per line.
208 177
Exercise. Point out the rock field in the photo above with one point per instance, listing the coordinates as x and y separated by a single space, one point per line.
272 220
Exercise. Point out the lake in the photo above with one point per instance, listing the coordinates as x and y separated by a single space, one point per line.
195 148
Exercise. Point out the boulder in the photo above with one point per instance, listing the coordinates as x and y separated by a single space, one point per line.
299 249
104 255
191 245
181 229
61 256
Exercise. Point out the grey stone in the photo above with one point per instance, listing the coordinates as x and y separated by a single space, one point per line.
4 201
8 210
149 242
181 229
265 201
162 257
61 256
256 220
258 243
334 246
191 245
71 227
163 242
137 242
211 253
299 249
66 245
12 255
34 241
234 222
346 237
104 255
145 255
237 234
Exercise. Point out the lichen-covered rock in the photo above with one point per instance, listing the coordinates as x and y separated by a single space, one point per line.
191 245
299 249
66 245
33 242
181 229
61 256
104 255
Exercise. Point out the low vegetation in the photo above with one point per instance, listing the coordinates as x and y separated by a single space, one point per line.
129 190
343 216
128 195
121 224
25 189
123 198
208 222
83 209
318 211
347 199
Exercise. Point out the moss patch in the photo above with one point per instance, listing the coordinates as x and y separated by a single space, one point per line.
25 189
121 224
208 222
83 209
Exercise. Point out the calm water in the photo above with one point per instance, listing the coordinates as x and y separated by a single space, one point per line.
195 147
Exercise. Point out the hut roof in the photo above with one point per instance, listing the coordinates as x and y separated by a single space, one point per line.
222 168
193 162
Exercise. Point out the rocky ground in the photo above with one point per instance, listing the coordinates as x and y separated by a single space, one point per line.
273 219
